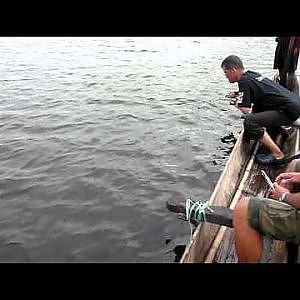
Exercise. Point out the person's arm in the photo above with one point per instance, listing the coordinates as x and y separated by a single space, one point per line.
244 110
289 177
291 198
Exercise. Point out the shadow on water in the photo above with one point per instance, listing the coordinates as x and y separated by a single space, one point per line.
178 250
224 151
228 138
12 252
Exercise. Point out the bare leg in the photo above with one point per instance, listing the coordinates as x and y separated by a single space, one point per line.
270 144
248 242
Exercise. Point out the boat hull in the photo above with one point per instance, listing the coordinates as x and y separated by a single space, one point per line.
240 177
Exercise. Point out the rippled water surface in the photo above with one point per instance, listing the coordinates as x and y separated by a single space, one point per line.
97 133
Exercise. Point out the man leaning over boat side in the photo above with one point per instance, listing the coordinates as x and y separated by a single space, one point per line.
266 106
279 219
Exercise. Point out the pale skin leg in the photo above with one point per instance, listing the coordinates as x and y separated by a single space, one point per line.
248 242
270 144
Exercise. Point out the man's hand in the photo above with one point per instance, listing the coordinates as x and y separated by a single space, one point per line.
278 191
232 95
244 110
288 178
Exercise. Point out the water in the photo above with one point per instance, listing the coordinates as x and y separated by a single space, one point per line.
97 133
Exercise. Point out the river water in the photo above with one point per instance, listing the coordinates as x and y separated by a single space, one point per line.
97 133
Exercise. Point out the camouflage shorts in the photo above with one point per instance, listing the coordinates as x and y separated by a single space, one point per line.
276 219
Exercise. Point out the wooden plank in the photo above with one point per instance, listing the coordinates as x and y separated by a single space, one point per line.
217 215
211 254
221 215
226 252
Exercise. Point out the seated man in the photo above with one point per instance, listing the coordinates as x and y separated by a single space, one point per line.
266 106
254 217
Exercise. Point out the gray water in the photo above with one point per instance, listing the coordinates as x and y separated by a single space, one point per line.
97 133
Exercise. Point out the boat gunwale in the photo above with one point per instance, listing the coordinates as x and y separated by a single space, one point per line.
237 154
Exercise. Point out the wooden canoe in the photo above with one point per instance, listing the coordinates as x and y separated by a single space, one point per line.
240 177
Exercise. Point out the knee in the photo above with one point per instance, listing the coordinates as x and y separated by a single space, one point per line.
252 130
292 165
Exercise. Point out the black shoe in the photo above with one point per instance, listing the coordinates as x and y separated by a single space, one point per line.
269 160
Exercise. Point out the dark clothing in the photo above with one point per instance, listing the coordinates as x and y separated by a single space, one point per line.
255 124
266 95
286 59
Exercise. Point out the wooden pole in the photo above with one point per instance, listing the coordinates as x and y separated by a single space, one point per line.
290 81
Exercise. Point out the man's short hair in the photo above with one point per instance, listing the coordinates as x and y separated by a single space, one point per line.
231 62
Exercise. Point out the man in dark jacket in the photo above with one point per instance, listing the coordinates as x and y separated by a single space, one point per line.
265 104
